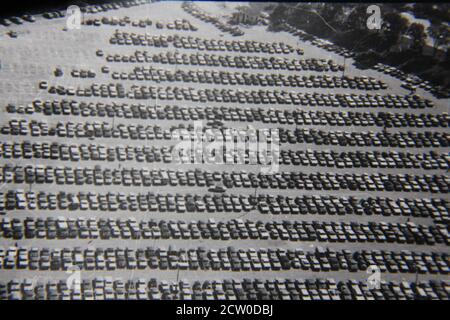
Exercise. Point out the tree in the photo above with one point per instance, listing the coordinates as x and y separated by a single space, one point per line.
278 14
394 26
417 32
332 12
440 34
357 18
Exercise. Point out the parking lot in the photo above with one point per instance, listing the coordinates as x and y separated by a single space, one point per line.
91 180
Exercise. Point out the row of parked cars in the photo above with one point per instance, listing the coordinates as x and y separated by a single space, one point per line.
410 139
195 11
18 199
261 96
83 73
232 229
45 174
201 44
17 20
239 114
143 153
226 61
412 82
224 259
365 159
254 79
107 288
321 43
178 24
96 152
215 128
213 115
318 117
104 129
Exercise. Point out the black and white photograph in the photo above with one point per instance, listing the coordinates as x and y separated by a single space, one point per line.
215 150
